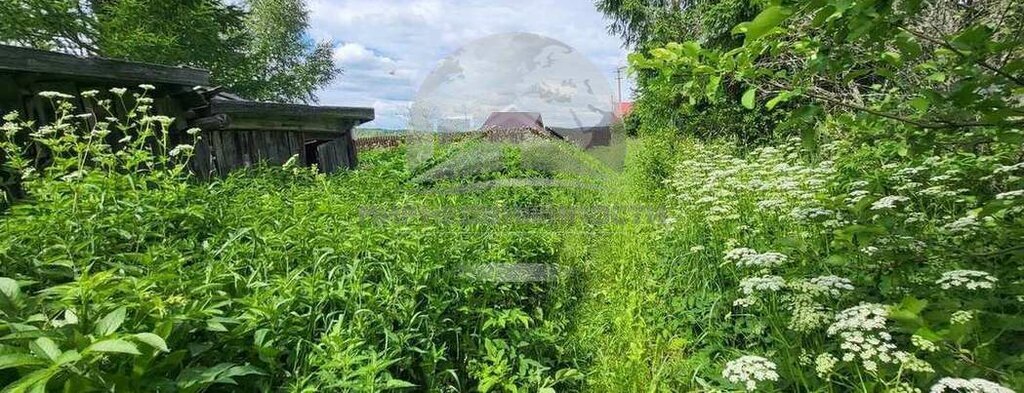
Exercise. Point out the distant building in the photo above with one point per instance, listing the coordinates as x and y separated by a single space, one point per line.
515 127
235 132
514 120
623 110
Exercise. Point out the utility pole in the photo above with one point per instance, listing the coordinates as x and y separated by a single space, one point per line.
618 80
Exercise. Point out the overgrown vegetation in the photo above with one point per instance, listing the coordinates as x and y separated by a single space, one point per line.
840 209
121 273
877 251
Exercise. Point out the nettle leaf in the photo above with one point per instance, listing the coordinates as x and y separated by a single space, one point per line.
748 98
153 340
10 292
45 347
13 360
111 322
114 346
764 22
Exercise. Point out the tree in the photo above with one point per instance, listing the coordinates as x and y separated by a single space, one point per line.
258 49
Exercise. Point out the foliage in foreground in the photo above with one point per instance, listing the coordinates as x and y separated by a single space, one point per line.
118 272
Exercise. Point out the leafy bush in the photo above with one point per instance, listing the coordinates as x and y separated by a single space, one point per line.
118 271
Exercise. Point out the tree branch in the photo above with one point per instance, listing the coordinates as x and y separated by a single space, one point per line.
952 48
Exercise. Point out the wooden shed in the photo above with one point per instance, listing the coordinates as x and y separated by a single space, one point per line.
235 132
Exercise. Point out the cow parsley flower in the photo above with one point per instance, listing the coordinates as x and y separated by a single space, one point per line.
973 385
744 302
971 279
180 149
863 317
1010 195
832 285
923 344
118 90
824 364
90 93
147 87
53 94
888 202
807 314
734 255
750 285
962 226
749 370
961 317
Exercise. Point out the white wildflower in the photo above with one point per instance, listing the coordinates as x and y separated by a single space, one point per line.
963 225
90 93
923 344
744 302
1010 195
974 385
824 364
961 317
971 279
180 149
53 94
770 283
749 370
833 285
147 87
863 317
807 315
118 90
888 202
736 254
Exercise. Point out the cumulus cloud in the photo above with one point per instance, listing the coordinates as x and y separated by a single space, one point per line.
386 48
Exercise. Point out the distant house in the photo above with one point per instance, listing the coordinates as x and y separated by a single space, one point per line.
623 110
531 120
515 126
235 132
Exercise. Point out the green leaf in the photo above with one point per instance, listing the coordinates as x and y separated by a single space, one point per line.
11 293
32 381
45 347
70 356
12 360
111 322
114 346
748 98
153 341
398 384
765 21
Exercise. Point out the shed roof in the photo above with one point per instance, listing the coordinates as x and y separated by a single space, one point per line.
13 58
272 115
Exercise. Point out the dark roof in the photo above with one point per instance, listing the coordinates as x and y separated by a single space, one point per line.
297 117
514 120
13 58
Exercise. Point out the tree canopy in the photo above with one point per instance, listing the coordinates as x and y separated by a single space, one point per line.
259 48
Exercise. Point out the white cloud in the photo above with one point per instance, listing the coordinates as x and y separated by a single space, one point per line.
387 47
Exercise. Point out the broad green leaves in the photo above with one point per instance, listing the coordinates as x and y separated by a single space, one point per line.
748 98
113 346
111 322
767 20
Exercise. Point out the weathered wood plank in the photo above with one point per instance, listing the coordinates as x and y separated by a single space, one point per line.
277 111
40 61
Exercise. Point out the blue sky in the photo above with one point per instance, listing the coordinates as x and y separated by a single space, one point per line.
387 47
